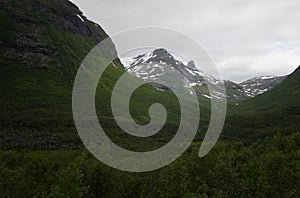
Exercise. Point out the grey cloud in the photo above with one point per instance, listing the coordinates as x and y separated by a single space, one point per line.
245 38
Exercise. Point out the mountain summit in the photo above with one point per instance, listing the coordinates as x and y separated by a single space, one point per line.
153 66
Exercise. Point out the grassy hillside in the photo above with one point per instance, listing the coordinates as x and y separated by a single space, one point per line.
285 94
277 110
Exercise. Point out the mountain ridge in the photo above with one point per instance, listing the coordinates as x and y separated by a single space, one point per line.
145 66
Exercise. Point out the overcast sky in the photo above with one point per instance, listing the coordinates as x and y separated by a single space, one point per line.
245 38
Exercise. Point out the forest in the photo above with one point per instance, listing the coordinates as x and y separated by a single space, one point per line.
266 168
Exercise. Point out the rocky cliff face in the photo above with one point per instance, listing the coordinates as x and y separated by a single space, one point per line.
50 35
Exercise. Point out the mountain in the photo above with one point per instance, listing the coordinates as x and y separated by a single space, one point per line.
155 65
252 87
259 85
152 65
287 93
42 46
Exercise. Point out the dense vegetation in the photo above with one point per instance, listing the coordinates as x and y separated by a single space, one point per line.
250 126
269 168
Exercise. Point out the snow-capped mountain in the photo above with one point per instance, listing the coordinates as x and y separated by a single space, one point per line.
154 65
259 85
234 90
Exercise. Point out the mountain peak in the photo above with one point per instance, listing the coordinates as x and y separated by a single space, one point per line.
191 64
159 56
163 56
161 51
154 65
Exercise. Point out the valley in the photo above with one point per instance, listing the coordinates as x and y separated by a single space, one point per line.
42 45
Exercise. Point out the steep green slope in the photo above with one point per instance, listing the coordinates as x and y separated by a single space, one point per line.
42 46
277 110
285 94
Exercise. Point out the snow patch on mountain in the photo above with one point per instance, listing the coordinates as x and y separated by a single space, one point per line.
261 84
80 17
